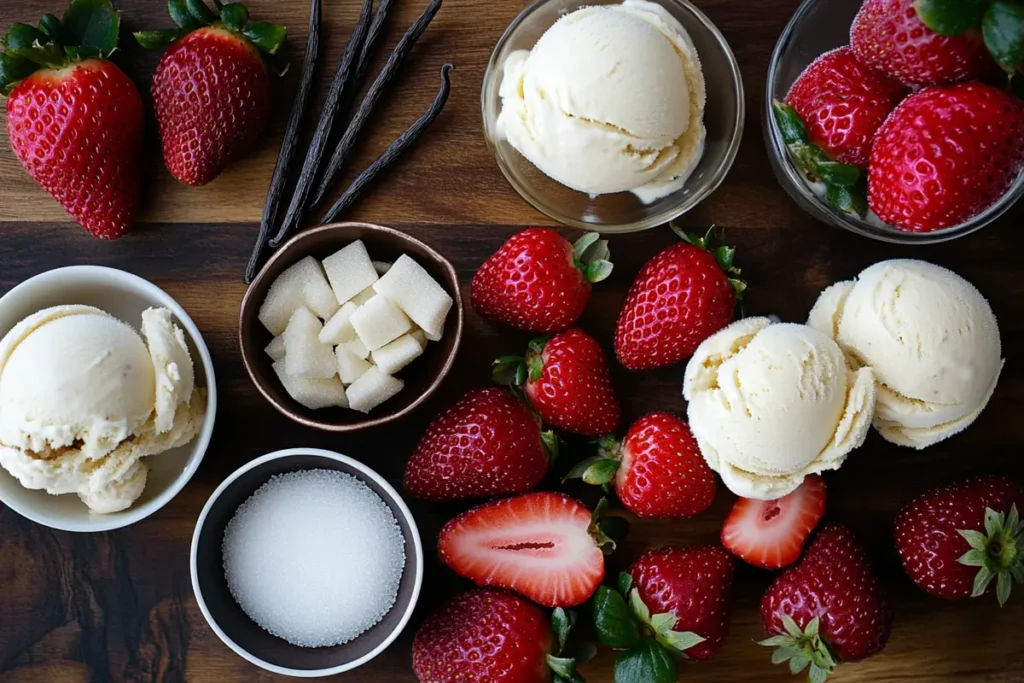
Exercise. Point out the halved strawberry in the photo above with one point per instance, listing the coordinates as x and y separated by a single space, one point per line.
542 545
771 533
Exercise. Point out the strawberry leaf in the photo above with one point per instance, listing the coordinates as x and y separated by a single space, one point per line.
92 23
680 641
562 622
852 200
612 532
596 470
180 15
580 247
79 52
564 669
648 662
235 16
267 37
158 39
625 583
640 610
12 70
200 12
48 55
950 17
790 125
551 443
23 35
1003 30
613 622
663 622
50 25
509 371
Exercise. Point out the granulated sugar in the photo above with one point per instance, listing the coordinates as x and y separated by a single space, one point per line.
314 557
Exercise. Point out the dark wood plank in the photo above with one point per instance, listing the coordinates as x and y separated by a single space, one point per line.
119 606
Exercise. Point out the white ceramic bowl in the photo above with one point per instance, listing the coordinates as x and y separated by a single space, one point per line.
124 296
243 635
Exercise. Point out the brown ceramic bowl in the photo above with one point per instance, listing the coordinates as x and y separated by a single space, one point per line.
243 635
421 377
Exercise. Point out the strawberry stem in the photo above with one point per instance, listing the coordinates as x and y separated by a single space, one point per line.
998 553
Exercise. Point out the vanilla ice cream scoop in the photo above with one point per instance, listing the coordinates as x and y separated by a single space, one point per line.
83 398
610 99
930 338
772 403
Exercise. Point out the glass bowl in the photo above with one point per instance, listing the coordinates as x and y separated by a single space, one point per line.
819 26
621 212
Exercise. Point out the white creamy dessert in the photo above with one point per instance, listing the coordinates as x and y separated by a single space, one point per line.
610 99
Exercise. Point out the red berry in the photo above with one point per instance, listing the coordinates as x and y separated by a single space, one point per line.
946 154
78 133
842 104
211 94
486 444
829 607
888 36
770 533
538 282
537 544
693 584
681 297
930 543
484 636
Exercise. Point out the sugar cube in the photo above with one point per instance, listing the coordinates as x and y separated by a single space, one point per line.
381 267
350 366
358 348
350 271
339 329
417 293
305 356
312 393
364 296
392 357
379 321
420 336
302 284
372 389
275 349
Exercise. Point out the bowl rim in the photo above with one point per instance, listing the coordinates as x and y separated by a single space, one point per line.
283 253
717 177
365 471
783 165
199 444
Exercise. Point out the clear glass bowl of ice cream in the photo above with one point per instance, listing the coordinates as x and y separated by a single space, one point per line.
613 116
817 27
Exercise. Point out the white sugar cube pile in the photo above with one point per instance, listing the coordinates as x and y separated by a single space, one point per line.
345 327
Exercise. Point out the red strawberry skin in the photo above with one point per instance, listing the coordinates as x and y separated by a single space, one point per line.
536 544
944 155
680 298
835 582
843 103
694 584
663 475
532 283
484 636
211 93
888 36
78 133
927 537
574 391
486 444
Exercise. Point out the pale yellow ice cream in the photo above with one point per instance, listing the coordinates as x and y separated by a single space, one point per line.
610 99
771 403
930 338
83 398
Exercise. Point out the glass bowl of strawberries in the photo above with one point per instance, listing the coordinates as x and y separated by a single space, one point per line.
893 119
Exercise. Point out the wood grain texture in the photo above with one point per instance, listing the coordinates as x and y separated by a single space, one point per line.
119 606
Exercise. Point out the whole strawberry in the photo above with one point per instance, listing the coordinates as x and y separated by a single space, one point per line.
955 540
487 636
673 602
657 470
538 282
488 443
843 103
681 297
889 36
828 608
211 89
946 154
73 118
565 377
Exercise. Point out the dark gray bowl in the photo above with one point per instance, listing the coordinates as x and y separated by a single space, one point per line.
242 634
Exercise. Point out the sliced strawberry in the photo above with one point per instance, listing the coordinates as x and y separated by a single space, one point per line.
771 533
537 544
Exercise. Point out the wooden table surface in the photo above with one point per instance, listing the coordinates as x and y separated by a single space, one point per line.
119 606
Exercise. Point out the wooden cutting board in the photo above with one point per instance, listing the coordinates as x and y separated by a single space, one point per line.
119 606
